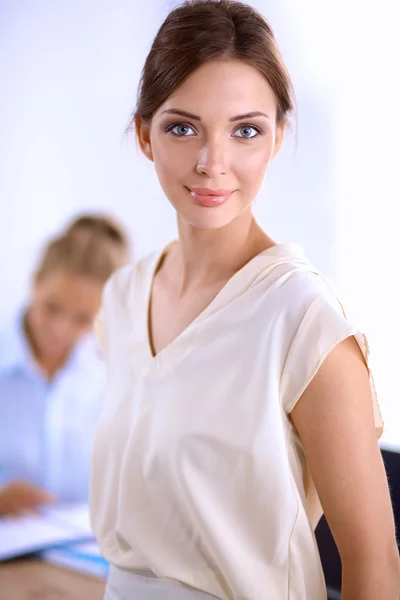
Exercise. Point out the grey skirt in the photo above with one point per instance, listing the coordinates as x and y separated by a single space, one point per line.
143 585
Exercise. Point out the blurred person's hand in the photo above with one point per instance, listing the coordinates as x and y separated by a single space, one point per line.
19 497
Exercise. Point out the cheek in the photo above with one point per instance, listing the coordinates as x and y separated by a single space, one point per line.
39 314
249 159
173 159
250 166
43 324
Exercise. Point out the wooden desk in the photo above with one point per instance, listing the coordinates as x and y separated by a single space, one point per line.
35 580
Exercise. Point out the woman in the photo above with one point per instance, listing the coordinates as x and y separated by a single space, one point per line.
239 394
51 373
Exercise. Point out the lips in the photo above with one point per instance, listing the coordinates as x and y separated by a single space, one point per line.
210 192
208 197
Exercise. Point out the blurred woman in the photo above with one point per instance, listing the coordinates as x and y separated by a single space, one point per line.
51 371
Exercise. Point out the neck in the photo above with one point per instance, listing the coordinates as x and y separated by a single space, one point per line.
209 256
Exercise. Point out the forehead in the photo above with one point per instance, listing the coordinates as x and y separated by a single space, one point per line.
223 88
70 289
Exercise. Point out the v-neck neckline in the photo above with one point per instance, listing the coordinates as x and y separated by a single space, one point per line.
174 350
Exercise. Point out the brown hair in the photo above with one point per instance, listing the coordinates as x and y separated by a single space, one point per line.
203 30
92 246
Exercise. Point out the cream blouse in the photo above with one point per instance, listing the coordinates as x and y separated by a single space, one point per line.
198 473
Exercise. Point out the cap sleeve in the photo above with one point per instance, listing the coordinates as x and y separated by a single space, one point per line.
323 327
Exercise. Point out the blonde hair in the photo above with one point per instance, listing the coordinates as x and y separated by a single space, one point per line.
91 245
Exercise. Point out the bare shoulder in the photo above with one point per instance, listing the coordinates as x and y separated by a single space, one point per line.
335 421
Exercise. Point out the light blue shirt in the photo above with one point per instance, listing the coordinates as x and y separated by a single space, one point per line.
47 428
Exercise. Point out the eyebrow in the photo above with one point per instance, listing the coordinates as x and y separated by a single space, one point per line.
188 115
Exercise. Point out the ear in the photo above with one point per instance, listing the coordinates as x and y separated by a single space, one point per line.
280 133
143 136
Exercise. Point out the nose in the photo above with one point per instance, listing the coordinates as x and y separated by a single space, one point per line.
212 160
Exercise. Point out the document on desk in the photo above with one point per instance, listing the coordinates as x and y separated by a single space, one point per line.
54 527
83 558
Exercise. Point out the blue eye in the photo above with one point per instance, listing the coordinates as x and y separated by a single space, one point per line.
247 132
180 130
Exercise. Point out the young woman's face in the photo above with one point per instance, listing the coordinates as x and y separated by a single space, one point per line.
212 141
62 309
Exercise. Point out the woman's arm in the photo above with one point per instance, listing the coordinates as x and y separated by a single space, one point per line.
334 418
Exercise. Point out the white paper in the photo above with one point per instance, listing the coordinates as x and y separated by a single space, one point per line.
59 525
75 516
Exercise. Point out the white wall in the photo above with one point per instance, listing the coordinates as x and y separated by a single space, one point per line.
368 189
69 84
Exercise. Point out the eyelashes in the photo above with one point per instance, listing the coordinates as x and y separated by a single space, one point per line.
257 130
183 130
176 126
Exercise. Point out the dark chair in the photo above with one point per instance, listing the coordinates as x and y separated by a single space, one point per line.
327 547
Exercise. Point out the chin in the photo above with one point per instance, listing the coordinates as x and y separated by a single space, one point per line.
208 219
207 223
